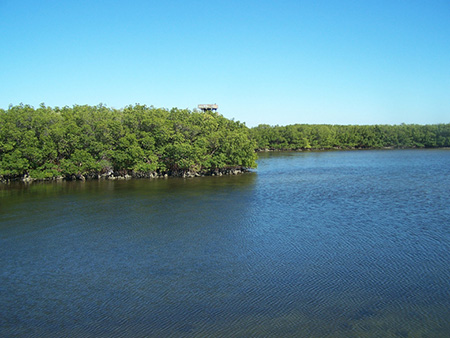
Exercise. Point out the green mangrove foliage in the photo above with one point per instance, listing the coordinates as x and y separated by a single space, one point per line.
92 140
302 136
89 141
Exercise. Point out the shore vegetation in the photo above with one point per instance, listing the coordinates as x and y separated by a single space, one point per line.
138 141
322 136
85 141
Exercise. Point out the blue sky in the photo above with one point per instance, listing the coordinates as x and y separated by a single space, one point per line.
273 62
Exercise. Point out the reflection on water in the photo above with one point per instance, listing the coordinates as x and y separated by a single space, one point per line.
334 244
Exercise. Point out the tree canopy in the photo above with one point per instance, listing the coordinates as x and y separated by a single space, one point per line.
322 136
87 140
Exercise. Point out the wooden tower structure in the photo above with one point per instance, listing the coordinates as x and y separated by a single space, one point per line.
208 107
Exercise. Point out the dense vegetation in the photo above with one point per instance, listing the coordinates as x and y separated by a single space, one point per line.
141 141
301 136
92 140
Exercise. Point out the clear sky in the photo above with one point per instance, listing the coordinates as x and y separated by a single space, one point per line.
274 62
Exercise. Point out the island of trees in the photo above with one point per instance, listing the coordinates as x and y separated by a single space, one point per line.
82 142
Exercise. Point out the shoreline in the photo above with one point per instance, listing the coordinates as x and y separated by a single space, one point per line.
266 150
117 175
120 175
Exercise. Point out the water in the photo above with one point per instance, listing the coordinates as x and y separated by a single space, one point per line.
331 244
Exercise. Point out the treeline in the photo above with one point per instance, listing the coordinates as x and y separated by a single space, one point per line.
88 141
141 141
302 136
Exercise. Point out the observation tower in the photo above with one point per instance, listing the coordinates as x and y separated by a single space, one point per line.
208 107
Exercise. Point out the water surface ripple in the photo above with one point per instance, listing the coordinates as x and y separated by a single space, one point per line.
332 244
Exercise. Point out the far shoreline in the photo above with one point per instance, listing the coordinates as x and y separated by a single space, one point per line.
268 150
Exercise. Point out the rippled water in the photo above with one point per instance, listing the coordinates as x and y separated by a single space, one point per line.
332 244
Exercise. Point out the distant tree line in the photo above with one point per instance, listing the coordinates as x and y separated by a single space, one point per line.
92 140
303 136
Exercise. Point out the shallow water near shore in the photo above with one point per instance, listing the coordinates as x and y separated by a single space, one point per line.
313 244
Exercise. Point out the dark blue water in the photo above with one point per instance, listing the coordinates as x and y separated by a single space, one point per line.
332 244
